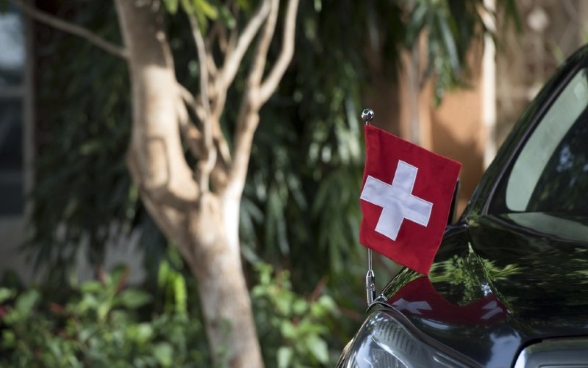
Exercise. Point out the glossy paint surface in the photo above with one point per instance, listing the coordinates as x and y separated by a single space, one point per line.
495 288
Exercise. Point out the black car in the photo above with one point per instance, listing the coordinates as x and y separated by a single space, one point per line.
509 286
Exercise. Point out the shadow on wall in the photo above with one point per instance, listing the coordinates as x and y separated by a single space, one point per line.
456 129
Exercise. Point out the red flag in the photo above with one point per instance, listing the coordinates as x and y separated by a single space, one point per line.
405 199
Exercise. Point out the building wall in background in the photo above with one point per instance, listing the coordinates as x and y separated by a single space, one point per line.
552 31
459 128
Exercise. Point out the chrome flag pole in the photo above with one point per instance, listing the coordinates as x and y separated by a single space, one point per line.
367 115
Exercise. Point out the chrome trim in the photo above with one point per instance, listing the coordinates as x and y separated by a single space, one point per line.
571 352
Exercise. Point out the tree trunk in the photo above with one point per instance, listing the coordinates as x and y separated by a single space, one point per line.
223 293
203 226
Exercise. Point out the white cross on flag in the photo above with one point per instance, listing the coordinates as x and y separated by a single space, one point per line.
405 199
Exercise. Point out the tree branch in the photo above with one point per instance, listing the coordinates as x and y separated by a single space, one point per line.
190 133
248 118
230 43
202 61
206 164
246 125
190 100
273 79
71 28
233 60
215 32
256 73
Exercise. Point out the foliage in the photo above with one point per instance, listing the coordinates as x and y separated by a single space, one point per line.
107 324
294 331
451 28
83 193
300 201
171 282
102 324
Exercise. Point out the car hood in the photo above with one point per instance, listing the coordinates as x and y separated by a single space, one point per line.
498 284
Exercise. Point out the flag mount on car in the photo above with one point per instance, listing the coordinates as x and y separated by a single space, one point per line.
405 200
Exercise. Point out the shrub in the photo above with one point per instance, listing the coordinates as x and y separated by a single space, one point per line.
102 324
106 324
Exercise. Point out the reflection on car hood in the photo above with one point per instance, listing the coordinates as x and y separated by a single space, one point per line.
499 283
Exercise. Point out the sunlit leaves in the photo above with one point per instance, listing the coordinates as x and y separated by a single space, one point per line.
206 8
205 11
173 283
171 5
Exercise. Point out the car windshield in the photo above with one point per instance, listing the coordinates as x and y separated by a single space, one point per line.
550 173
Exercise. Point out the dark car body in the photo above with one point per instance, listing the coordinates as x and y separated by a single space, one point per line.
509 285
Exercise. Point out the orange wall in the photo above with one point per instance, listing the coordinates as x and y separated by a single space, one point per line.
457 129
453 129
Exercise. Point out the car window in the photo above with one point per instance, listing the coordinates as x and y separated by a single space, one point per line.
550 174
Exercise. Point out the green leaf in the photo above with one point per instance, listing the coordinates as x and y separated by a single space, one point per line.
103 309
163 274
285 354
300 306
90 147
318 348
287 329
244 4
180 293
92 287
132 298
86 333
327 303
205 8
417 22
163 353
172 6
187 6
141 332
6 294
448 40
8 339
27 301
226 17
89 302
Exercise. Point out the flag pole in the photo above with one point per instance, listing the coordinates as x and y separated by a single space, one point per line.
367 115
370 281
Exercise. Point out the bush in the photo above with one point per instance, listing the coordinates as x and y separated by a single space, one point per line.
294 331
103 324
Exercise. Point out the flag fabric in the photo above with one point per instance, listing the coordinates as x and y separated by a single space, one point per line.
405 199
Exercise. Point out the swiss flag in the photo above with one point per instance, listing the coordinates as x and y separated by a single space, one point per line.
405 199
